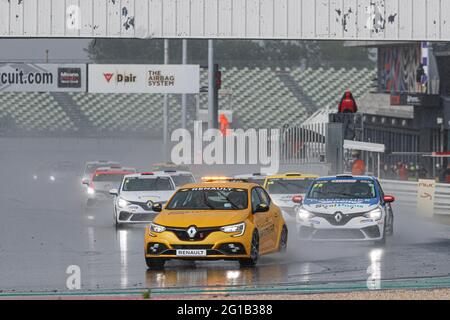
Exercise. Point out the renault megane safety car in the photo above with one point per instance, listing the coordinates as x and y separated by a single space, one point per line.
345 208
137 194
283 187
216 220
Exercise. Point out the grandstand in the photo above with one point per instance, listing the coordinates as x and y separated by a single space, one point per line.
259 98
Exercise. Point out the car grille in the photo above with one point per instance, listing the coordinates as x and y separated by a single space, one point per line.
202 233
192 246
338 234
143 217
345 217
143 205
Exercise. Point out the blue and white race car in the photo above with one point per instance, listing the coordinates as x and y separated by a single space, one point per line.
345 208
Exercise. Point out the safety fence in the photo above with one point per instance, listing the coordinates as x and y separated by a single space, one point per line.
303 144
405 193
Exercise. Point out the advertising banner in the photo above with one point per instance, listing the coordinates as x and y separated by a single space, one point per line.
24 77
143 78
425 197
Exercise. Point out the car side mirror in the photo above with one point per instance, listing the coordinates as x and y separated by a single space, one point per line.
389 199
114 192
85 181
157 207
297 199
261 208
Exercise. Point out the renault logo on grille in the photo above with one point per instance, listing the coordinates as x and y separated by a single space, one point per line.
149 204
191 231
338 216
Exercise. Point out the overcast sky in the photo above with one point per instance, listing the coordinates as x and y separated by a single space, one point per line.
34 49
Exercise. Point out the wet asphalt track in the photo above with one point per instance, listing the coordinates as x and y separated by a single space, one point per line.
45 228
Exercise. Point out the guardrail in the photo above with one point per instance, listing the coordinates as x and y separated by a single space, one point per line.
405 193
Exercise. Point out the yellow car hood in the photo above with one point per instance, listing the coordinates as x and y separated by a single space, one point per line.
201 219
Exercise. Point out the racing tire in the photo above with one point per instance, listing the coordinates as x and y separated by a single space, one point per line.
254 252
155 263
282 246
391 226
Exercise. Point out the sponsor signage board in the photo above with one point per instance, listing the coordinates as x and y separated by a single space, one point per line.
415 99
142 78
25 77
425 197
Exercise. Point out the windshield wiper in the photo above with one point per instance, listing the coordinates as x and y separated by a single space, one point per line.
206 202
349 195
234 205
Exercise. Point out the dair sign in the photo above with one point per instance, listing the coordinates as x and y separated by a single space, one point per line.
144 78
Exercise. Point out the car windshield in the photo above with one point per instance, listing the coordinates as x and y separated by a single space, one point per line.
288 186
213 198
182 179
109 177
342 189
147 184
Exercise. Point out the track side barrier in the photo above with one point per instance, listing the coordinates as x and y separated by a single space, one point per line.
405 193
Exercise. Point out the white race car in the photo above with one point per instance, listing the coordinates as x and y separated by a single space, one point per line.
137 194
345 208
282 187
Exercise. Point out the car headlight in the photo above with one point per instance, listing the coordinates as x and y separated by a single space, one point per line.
304 214
240 228
374 214
122 203
156 228
90 190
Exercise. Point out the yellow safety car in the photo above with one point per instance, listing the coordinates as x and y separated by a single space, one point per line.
283 187
224 220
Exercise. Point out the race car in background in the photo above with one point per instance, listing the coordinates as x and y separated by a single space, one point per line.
169 166
258 178
58 171
180 178
216 221
283 187
137 194
345 208
103 180
91 166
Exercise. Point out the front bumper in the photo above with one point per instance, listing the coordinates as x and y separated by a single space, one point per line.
357 229
134 217
217 245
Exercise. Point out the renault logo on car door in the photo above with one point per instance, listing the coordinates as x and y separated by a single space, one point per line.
191 231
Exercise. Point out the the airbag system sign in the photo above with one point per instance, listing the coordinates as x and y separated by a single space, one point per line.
142 78
42 77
